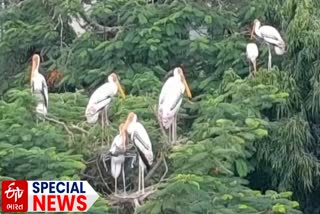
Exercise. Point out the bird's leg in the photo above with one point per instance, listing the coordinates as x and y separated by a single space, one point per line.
106 116
102 128
254 68
175 129
142 177
115 186
269 62
124 180
139 184
170 134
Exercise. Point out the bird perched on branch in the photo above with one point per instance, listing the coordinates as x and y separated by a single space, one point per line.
170 101
39 87
271 36
140 138
101 98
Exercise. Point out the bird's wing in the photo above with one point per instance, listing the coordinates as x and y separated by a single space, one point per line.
271 35
167 86
100 98
102 93
252 51
141 137
170 95
143 144
117 146
44 90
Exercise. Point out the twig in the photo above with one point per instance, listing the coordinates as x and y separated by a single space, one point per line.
80 129
166 171
100 174
88 176
153 170
63 124
61 31
134 198
101 28
198 97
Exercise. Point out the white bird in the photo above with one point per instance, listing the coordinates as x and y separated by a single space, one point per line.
117 150
271 36
252 54
101 99
141 140
170 100
39 86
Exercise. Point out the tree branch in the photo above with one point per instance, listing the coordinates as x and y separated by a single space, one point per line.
100 28
63 124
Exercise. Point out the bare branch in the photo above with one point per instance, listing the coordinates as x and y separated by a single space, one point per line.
63 124
132 198
80 129
101 176
100 28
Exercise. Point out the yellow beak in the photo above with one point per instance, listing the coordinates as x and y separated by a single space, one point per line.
122 132
187 88
33 67
31 74
252 31
120 89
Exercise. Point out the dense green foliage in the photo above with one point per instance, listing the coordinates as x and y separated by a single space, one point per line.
247 145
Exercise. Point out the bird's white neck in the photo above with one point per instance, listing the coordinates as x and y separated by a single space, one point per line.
114 87
257 29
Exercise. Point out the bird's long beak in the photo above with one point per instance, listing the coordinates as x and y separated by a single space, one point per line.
122 132
252 31
126 124
33 68
120 89
187 87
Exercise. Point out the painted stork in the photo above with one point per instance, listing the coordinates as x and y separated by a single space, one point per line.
252 54
170 100
271 36
117 150
39 86
101 99
140 138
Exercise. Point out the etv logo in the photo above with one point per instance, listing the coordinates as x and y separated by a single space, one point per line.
47 196
14 196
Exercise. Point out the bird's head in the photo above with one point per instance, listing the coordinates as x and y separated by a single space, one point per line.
256 22
114 78
179 72
35 66
132 118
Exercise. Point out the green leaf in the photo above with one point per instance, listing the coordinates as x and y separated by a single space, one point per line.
27 137
227 197
241 167
208 19
279 208
170 29
142 19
